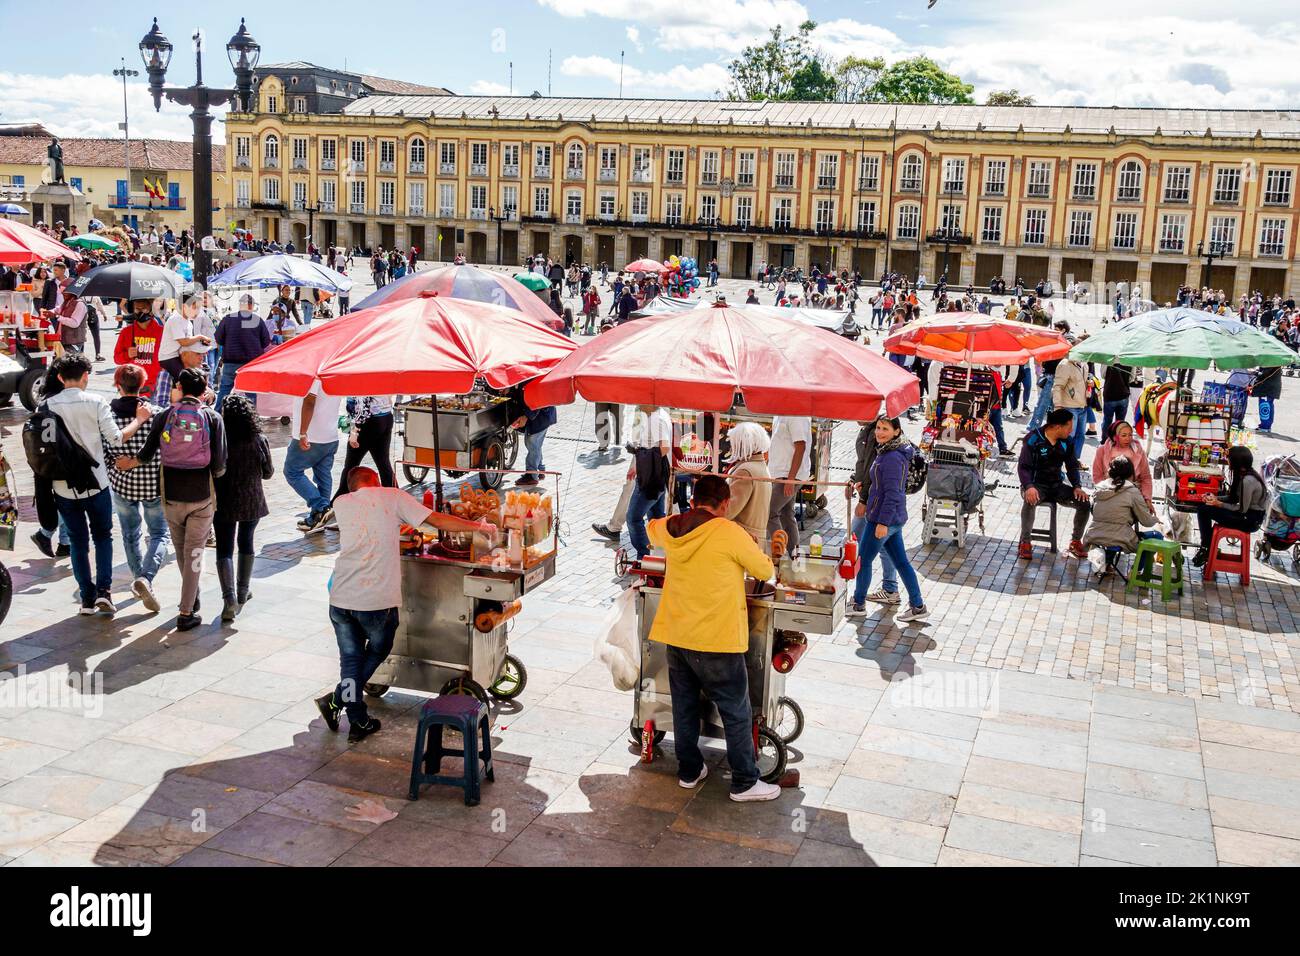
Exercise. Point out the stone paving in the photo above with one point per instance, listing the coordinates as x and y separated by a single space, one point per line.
1039 719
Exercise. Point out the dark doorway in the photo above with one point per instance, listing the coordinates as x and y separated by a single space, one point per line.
864 261
329 230
359 235
672 247
572 250
605 250
780 254
415 238
1267 280
1224 279
478 247
905 262
1166 278
1030 269
447 243
821 258
705 250
300 236
510 247
541 243
1076 270
638 247
988 266
742 260
387 235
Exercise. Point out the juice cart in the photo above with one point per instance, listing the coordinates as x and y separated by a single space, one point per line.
27 348
473 433
1197 438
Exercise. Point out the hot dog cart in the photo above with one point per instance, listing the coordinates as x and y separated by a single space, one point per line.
473 433
807 598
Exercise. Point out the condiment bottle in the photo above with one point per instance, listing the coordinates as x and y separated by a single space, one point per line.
815 545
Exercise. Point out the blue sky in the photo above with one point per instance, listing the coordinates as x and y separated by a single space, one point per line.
1064 52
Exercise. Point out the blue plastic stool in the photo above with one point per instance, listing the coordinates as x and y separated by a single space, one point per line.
467 714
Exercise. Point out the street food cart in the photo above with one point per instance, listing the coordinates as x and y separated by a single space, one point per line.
770 365
459 590
474 433
26 346
8 530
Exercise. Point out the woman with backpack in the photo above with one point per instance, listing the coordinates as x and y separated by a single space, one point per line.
241 502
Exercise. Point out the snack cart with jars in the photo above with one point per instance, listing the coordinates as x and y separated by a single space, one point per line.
25 348
1197 437
473 433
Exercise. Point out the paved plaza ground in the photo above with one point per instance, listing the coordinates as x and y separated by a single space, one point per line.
1088 726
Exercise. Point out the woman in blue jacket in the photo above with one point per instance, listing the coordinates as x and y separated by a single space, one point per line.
886 515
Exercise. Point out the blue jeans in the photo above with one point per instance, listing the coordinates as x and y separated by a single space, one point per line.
1112 412
533 452
888 573
364 639
227 385
1080 429
87 519
891 544
995 419
639 508
320 460
723 679
1044 405
131 515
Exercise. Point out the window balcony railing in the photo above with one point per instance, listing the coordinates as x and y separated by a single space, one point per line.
708 179
572 173
478 213
1124 242
415 210
298 205
1080 242
641 175
995 190
1270 252
1126 194
783 181
387 208
1171 245
1277 199
446 169
640 217
243 162
1180 196
357 166
388 166
447 212
241 202
954 187
606 216
478 169
827 182
1034 240
745 181
329 164
415 166
271 162
674 178
510 172
1226 199
327 205
1084 195
357 208
300 162
1038 191
868 185
607 175
541 172
909 186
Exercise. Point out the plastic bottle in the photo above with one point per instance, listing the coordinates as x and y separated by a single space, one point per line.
815 545
428 499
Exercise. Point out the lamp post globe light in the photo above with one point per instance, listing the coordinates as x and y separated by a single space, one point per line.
243 52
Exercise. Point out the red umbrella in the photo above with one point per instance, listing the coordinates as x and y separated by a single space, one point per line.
420 346
645 265
467 282
972 338
700 359
21 244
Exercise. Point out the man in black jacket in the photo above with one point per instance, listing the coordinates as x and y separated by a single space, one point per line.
1045 452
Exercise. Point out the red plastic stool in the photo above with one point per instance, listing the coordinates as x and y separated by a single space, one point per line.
1226 561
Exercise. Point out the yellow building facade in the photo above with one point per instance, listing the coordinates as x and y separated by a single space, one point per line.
1086 194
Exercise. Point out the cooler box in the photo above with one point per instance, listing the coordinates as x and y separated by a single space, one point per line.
1193 486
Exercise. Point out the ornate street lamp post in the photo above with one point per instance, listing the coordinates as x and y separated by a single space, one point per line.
1216 251
243 51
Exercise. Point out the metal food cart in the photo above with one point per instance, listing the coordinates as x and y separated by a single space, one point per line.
28 347
473 433
807 598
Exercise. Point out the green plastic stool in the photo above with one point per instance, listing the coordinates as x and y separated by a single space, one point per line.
1142 573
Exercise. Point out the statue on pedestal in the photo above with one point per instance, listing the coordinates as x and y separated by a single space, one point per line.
55 154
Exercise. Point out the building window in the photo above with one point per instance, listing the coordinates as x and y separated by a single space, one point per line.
271 189
1227 184
676 171
909 177
299 195
991 231
415 198
416 154
387 197
709 209
243 192
1080 228
1178 184
909 221
744 214
357 154
272 103
1039 184
869 173
1085 182
542 162
271 150
784 170
478 201
1272 237
995 177
510 201
575 161
641 159
828 170
478 159
329 153
1173 232
300 104
243 151
824 215
608 164
542 201
1129 183
954 176
1223 235
357 196
710 160
606 208
866 215
1126 229
640 206
328 194
746 163
299 147
447 200
673 208
573 207
1277 187
950 220
783 214
1035 227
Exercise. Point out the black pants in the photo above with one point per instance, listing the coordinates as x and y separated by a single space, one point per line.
231 532
373 438
1207 516
92 323
47 508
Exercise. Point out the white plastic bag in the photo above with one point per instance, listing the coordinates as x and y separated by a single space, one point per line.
616 648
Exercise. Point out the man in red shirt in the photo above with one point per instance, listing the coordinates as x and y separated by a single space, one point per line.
137 343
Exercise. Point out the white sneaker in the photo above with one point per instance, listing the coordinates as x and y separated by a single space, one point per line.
855 610
914 614
759 791
140 587
692 784
881 596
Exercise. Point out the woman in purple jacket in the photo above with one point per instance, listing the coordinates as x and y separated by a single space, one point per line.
886 515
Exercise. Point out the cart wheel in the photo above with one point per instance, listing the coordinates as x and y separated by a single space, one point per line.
6 592
415 475
821 502
1295 561
636 731
466 686
1262 550
512 449
511 681
789 720
376 690
494 458
285 419
30 391
771 755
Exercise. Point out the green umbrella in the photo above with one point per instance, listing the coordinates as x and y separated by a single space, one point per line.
90 241
533 281
1183 338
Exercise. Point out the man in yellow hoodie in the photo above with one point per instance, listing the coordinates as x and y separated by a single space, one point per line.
704 621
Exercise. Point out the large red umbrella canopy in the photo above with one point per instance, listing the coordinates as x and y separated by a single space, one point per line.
972 338
20 244
700 359
422 346
466 282
645 265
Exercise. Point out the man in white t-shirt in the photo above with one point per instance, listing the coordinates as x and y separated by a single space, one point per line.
366 589
178 332
314 441
789 458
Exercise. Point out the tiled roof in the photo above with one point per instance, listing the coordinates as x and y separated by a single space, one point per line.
1276 124
401 87
145 153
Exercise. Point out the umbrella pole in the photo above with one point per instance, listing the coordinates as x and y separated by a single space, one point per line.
437 460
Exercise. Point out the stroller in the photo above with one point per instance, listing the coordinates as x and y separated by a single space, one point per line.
1282 523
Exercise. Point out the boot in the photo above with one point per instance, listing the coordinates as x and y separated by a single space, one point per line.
242 593
226 577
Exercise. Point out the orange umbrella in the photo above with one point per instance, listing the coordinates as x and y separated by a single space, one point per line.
972 338
21 244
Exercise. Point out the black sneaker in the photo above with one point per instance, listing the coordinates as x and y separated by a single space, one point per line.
329 710
527 481
87 607
104 602
363 730
316 522
1200 557
62 551
43 544
188 622
605 531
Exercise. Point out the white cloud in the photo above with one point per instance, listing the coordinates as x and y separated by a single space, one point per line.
680 80
634 38
724 25
489 88
91 105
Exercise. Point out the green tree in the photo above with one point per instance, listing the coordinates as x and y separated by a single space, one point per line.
1008 98
784 67
856 76
812 81
920 80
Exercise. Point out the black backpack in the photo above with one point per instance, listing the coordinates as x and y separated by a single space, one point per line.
41 444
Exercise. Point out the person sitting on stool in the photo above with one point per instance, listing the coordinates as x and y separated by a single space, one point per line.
1045 450
1242 505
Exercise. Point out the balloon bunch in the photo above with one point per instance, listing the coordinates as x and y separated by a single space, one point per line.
682 276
